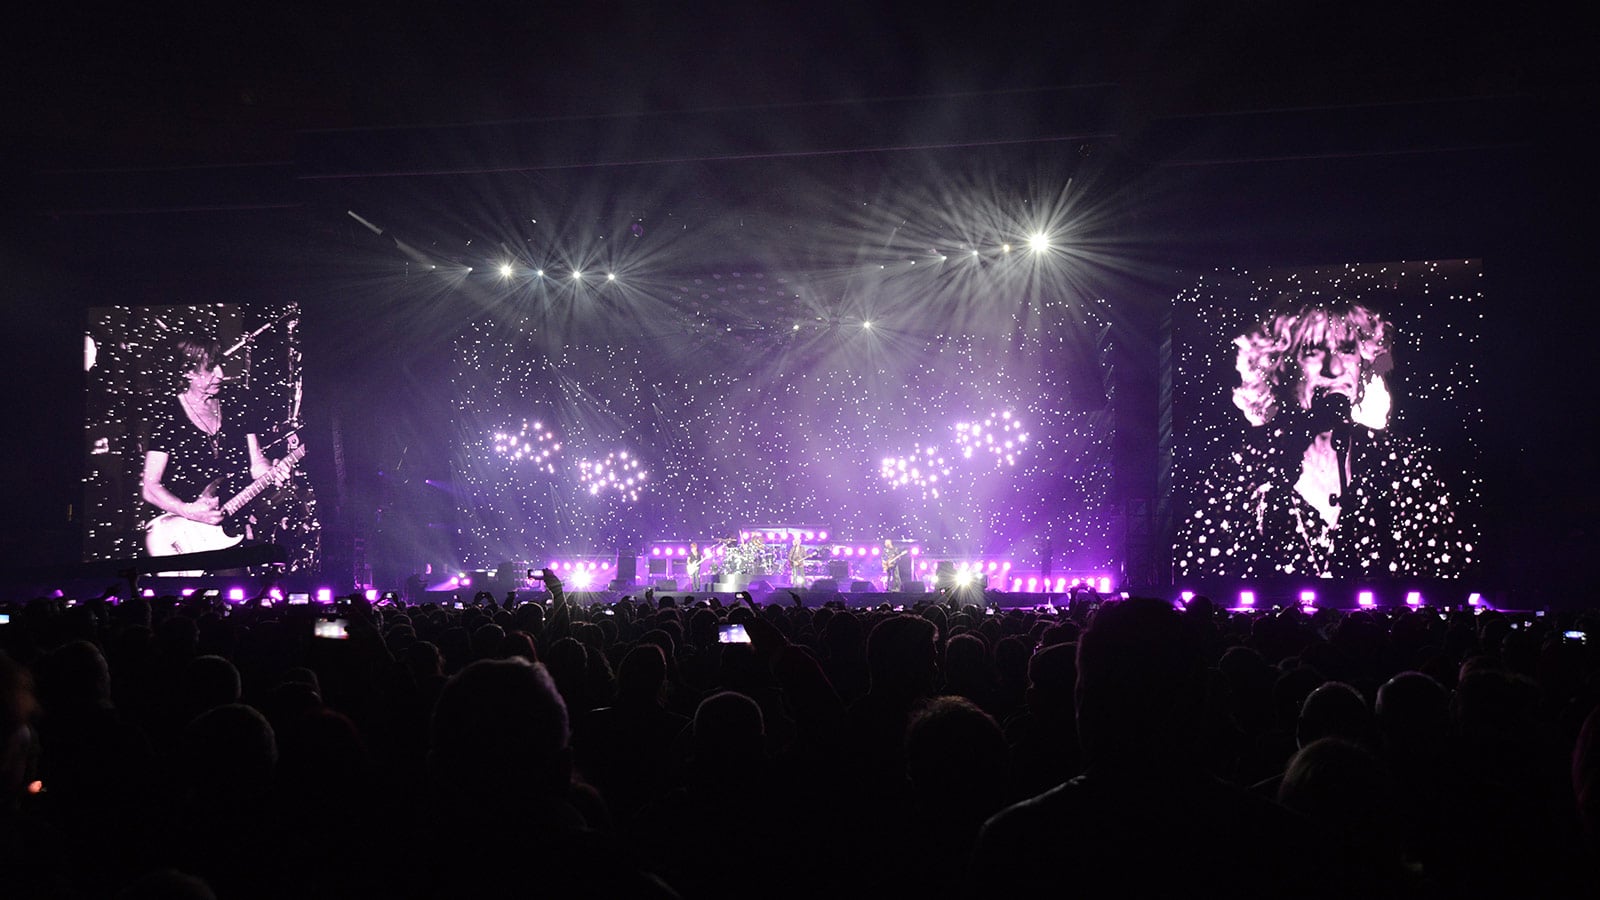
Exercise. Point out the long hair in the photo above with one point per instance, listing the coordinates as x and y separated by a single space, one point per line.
1267 353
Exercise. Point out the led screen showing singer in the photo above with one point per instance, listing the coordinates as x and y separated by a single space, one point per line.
1321 482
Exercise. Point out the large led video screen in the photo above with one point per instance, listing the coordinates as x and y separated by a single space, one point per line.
193 432
1326 421
594 418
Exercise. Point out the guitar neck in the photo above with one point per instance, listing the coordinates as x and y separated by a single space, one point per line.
260 484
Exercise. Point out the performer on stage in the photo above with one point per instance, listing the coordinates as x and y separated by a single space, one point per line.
197 456
695 559
891 565
797 563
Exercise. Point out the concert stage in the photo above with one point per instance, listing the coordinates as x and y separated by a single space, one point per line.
1009 590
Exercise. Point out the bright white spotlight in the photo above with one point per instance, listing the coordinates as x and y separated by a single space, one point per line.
538 273
505 270
577 275
1005 248
1039 242
611 276
866 324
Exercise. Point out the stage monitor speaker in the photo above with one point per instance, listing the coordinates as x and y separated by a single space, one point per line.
731 581
825 584
838 569
913 586
759 587
627 566
860 587
666 584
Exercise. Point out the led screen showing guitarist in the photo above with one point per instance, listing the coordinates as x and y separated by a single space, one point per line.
203 464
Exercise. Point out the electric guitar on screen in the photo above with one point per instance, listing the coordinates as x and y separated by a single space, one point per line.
171 534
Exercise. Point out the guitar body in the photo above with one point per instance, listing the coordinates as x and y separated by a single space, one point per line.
171 534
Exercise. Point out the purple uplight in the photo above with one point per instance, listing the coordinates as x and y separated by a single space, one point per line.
187 592
1364 598
655 551
1308 597
1105 584
1186 596
683 551
1474 599
1033 584
1247 598
1061 585
849 551
1016 584
236 594
822 535
372 594
1414 598
324 595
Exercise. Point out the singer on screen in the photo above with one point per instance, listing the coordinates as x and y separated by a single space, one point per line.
1321 486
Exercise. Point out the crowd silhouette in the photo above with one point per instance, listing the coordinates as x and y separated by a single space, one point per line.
547 747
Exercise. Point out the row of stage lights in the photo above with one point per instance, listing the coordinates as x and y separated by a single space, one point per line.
1037 242
1365 599
582 574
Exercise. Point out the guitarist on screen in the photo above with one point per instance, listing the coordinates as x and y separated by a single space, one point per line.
197 458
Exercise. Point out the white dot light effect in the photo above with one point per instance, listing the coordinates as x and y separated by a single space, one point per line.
976 449
618 474
533 444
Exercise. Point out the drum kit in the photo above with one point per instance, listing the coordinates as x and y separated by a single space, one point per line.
751 557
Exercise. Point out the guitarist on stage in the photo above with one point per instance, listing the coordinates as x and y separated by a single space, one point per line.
193 444
891 565
797 562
